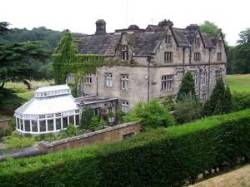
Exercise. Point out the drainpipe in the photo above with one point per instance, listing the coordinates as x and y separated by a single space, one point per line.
148 77
183 58
209 63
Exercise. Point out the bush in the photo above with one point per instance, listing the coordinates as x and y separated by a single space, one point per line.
220 101
87 115
187 88
96 123
150 114
168 102
15 141
160 157
187 111
241 101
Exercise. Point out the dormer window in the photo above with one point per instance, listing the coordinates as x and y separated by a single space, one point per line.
220 43
197 42
168 39
124 52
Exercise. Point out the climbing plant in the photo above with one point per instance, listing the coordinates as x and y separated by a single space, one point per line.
67 59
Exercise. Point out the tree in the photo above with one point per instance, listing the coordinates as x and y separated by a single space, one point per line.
64 54
210 28
4 27
150 114
244 36
220 101
187 88
16 60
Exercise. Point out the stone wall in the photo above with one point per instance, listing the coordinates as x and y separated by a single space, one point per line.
107 135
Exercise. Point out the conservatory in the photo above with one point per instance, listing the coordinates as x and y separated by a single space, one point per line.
50 110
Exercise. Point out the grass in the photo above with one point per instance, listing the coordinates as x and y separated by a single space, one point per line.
16 93
239 83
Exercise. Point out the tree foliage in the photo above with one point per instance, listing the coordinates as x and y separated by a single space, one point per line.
244 36
210 28
87 115
220 101
16 60
187 88
150 114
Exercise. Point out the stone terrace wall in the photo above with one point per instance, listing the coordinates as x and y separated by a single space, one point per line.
107 135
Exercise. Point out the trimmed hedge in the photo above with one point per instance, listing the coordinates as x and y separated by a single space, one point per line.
160 157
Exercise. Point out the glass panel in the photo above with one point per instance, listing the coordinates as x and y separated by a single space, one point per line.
21 124
58 123
65 122
34 125
27 125
42 126
50 125
71 120
77 119
17 123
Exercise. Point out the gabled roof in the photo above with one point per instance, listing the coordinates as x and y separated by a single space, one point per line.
142 42
102 44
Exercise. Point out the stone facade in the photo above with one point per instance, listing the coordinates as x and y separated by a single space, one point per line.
151 62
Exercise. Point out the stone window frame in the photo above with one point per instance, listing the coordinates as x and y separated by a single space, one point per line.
218 74
89 78
124 81
168 56
195 75
197 56
219 56
124 52
167 82
168 39
125 106
197 42
108 80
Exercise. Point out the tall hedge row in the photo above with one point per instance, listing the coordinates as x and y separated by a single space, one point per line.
160 157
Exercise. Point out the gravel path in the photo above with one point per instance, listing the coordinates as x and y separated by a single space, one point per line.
236 178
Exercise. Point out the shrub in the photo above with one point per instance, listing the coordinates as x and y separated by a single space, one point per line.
187 111
220 101
241 101
87 115
187 88
168 102
150 114
159 157
71 130
15 141
96 123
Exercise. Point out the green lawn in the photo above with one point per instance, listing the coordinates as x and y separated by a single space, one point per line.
16 93
239 83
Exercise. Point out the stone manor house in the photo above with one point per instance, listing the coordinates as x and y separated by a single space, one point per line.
151 62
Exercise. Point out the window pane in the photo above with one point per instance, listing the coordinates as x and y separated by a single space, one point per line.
42 126
58 123
65 122
27 125
50 125
34 125
77 119
71 120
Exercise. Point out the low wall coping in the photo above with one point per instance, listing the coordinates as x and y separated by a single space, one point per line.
58 142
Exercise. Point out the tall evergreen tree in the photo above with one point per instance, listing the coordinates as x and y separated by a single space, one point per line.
187 88
64 54
220 101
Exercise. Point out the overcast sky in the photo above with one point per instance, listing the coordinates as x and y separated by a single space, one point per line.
232 16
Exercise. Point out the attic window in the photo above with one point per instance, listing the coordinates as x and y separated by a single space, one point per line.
168 39
197 42
220 43
124 52
168 57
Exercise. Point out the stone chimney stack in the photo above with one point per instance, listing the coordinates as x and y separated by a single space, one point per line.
100 26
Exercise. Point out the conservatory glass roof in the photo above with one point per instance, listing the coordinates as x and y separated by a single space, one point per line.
49 100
